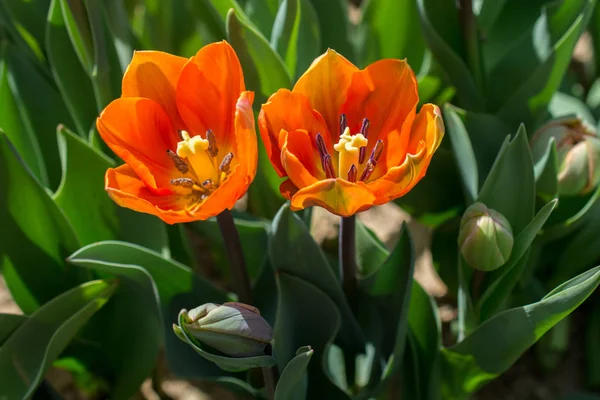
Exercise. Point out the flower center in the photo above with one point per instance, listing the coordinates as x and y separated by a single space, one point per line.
351 153
205 174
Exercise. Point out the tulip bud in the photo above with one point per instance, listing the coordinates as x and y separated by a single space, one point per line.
578 149
234 329
485 238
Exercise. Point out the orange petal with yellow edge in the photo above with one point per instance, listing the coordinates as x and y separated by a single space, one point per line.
288 111
140 132
208 90
154 75
127 190
426 135
325 84
386 93
338 196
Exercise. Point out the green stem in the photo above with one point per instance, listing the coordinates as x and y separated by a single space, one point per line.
471 39
239 274
347 259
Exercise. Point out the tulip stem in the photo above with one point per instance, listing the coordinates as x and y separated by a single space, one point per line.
239 273
240 277
347 260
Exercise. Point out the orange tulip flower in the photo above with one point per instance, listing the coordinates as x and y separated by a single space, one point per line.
349 139
185 129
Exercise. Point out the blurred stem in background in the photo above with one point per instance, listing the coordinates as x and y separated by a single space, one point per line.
471 40
241 280
347 259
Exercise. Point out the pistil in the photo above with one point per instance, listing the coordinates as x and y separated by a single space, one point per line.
349 149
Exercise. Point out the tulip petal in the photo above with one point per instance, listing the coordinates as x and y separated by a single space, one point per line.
154 75
325 84
208 90
300 158
127 190
425 137
288 111
386 93
140 132
338 196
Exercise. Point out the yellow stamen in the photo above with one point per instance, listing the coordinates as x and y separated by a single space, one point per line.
349 150
195 150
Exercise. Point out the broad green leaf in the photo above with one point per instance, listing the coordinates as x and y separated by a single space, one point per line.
81 194
263 13
8 324
16 126
293 382
465 159
73 82
391 29
292 250
120 31
334 26
441 30
264 70
31 349
77 24
487 12
307 317
546 174
544 54
504 279
426 333
36 236
28 17
370 252
296 35
264 198
41 107
176 287
510 186
231 364
473 362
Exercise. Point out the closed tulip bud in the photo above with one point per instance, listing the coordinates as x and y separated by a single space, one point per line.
485 238
578 149
234 329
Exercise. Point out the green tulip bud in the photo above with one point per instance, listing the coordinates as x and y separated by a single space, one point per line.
485 238
234 329
578 149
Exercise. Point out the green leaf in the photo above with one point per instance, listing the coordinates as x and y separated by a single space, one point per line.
263 13
73 82
231 364
8 324
563 105
504 279
264 70
81 193
487 12
175 285
546 173
465 160
36 236
41 107
16 126
296 35
544 53
441 29
293 382
31 349
473 362
264 198
391 29
510 186
28 17
370 252
307 316
334 26
293 250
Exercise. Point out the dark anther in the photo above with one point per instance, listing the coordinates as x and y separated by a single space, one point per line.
185 182
352 172
321 145
208 184
328 167
372 162
343 123
364 130
226 163
213 150
178 161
